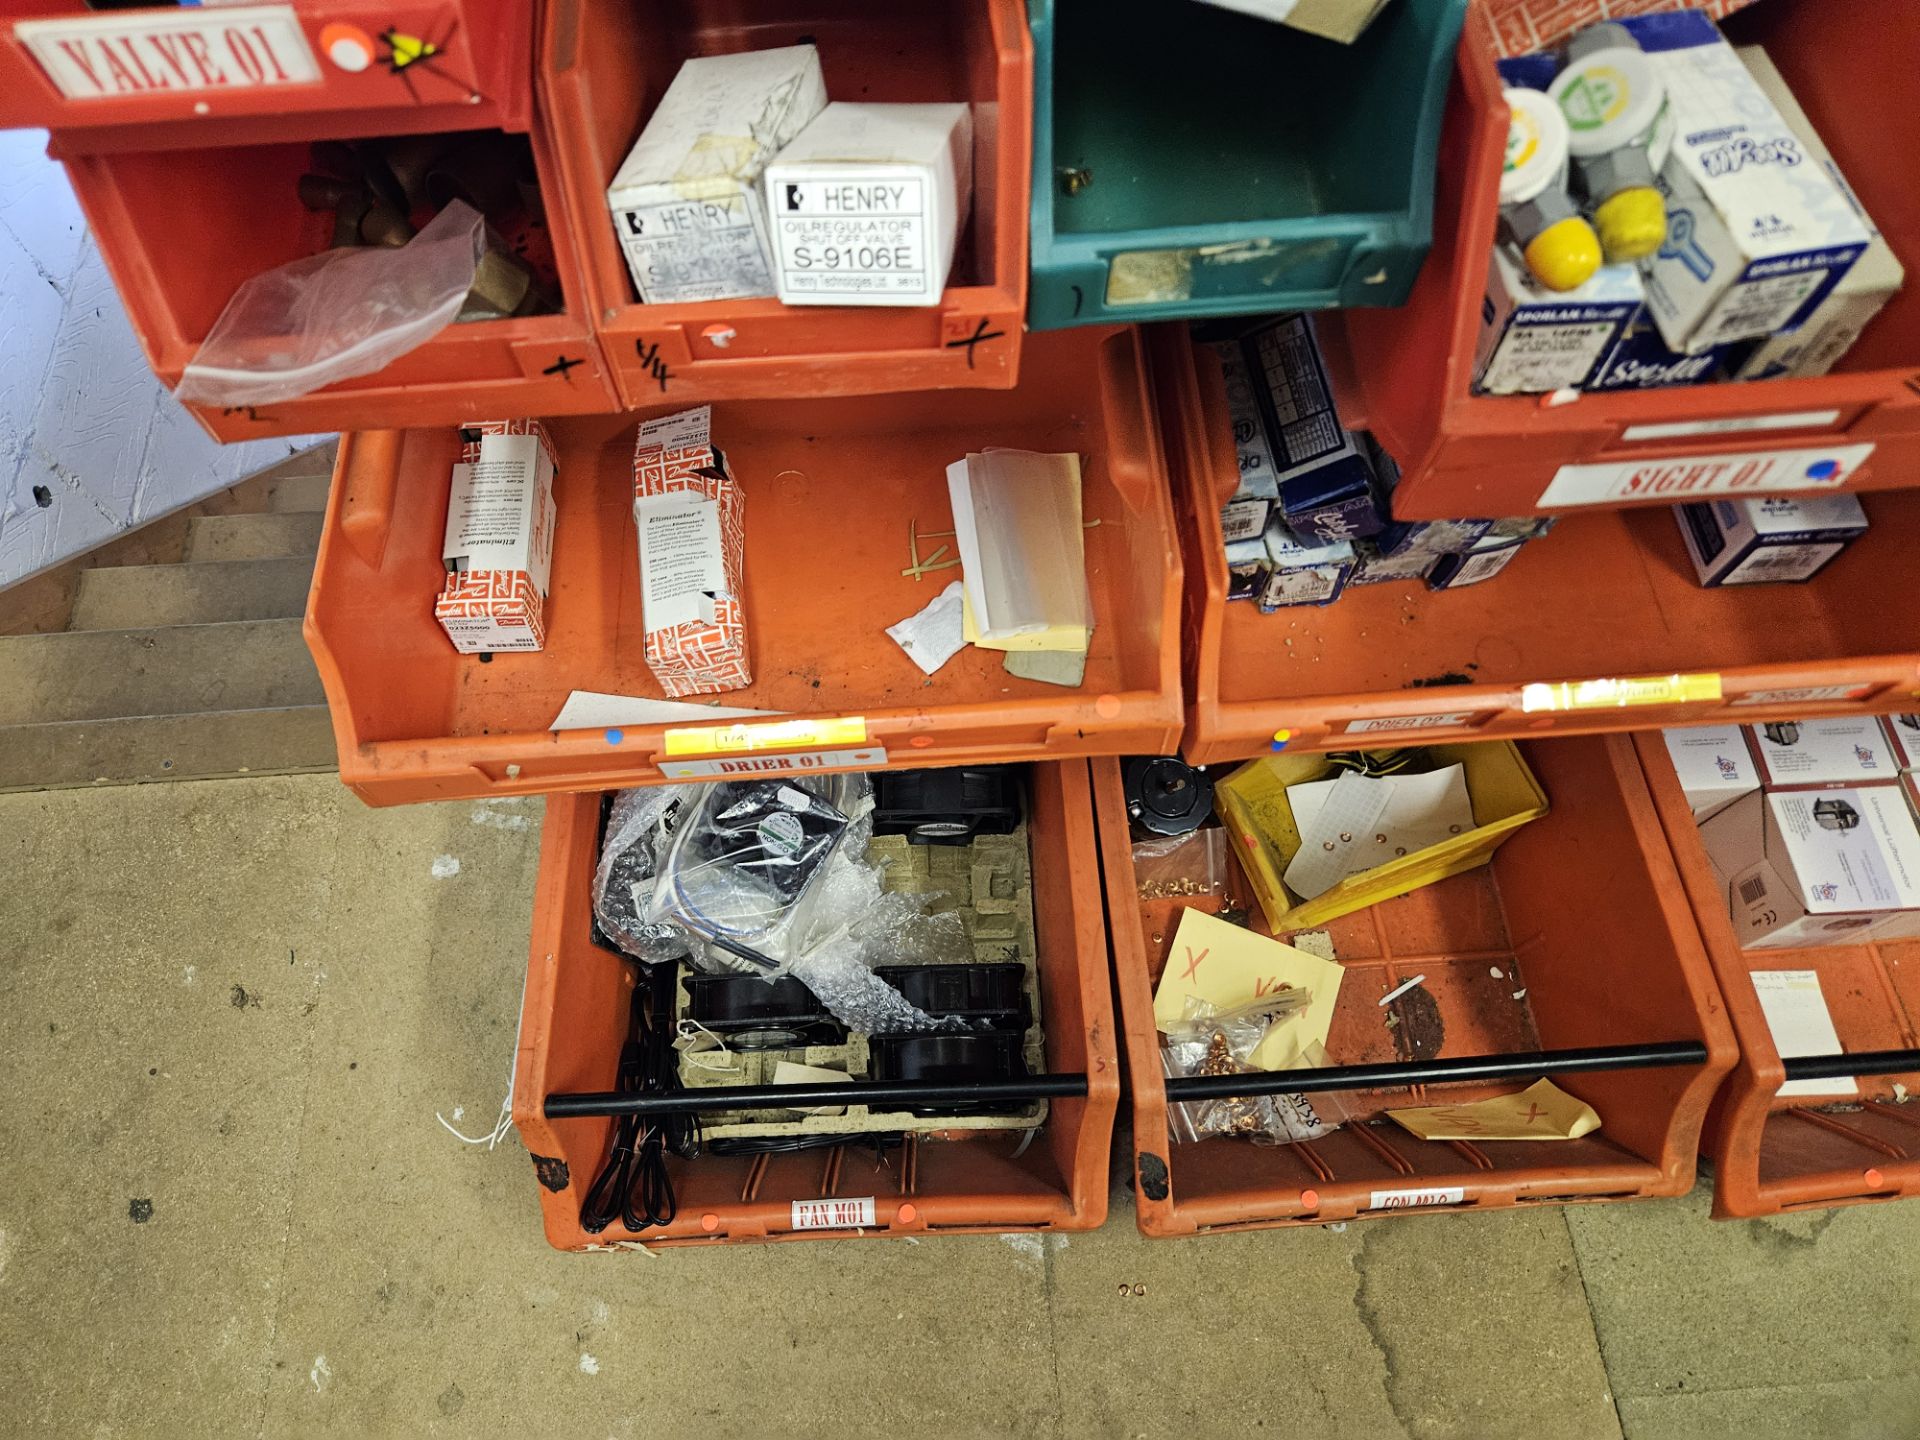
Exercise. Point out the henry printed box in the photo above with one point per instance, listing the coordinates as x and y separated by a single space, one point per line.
686 202
498 545
690 519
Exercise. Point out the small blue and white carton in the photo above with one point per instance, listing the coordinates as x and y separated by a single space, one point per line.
1247 568
1642 361
1486 560
1762 540
1244 517
1534 340
1370 567
1326 483
1758 232
1824 335
1304 574
1435 537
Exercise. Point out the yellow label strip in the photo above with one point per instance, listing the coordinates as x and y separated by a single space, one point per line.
1615 694
781 735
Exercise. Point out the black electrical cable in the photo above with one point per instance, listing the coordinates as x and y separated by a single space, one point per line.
634 1186
879 1142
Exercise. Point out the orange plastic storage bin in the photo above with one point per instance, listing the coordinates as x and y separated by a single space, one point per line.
181 229
1772 1153
831 488
574 1019
135 79
1468 455
1576 939
1607 596
605 64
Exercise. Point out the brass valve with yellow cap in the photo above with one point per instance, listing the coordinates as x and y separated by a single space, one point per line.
1537 214
1619 130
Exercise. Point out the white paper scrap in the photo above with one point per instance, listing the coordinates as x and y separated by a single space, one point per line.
1339 839
595 710
935 635
1422 810
1801 1024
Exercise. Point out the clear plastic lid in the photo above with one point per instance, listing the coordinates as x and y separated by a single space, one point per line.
1536 147
1610 98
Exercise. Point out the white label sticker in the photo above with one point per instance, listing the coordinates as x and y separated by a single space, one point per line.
1411 1199
1535 358
1793 420
832 1214
862 759
864 234
154 52
1800 1024
1410 722
680 560
1805 692
694 250
1694 477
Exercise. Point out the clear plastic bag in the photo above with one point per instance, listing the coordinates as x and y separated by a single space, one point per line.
1209 1042
743 861
820 913
329 317
1198 863
623 881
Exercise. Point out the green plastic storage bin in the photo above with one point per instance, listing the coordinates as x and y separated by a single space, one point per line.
1190 160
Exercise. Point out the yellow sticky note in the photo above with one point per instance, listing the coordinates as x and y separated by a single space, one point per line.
1542 1111
1054 637
1227 966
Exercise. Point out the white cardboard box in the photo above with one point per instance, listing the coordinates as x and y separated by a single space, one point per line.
867 204
1843 750
1903 738
686 202
1533 340
1714 766
1756 236
1818 342
1765 541
498 543
1818 867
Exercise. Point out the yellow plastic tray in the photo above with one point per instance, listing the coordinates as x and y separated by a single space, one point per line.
1252 804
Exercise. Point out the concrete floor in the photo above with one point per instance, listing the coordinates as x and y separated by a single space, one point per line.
230 1009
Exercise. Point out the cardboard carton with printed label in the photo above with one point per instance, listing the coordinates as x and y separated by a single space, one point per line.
686 202
866 205
498 543
1841 750
1818 866
1758 232
689 519
1715 767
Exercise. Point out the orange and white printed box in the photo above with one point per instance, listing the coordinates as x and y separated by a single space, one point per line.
499 538
690 518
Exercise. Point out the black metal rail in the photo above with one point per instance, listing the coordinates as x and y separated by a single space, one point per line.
899 1095
1524 1065
1842 1067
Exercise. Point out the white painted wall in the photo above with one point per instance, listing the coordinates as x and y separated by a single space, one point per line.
91 445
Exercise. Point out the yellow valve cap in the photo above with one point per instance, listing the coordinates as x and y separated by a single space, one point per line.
1632 224
1564 255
